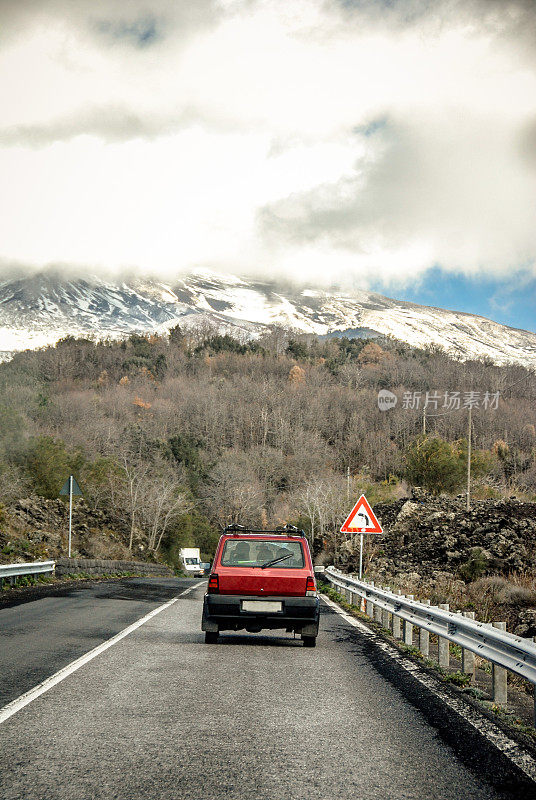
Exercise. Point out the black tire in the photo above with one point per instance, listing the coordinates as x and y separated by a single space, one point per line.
309 641
211 637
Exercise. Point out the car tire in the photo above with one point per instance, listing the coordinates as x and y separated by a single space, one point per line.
211 637
309 641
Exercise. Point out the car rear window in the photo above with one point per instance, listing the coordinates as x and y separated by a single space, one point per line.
250 553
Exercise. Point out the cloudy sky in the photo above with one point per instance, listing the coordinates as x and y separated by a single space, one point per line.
388 144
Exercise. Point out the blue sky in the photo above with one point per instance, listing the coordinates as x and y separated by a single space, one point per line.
511 302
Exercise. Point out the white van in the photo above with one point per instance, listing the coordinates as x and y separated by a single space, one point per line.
191 561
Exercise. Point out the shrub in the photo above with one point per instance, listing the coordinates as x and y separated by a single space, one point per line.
476 566
49 464
440 466
432 463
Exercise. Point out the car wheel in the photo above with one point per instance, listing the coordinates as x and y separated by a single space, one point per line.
211 637
309 641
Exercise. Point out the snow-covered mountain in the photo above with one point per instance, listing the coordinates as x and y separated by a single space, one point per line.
40 309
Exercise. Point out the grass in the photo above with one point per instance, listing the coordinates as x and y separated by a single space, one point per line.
27 580
411 650
510 719
24 581
457 678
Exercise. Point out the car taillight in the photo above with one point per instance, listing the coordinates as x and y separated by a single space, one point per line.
213 584
310 586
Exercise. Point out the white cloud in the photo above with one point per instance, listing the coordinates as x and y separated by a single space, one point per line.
311 139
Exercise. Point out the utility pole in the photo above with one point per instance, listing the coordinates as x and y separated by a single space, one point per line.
424 421
469 462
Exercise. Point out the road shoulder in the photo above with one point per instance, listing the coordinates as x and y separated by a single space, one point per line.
508 764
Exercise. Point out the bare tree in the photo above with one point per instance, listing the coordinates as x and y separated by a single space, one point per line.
233 494
323 502
134 473
163 500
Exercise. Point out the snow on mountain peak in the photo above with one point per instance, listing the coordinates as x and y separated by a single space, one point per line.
40 309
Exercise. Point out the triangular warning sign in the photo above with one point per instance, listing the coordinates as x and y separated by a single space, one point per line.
361 519
65 489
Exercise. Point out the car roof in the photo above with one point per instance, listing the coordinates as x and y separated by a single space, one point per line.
287 532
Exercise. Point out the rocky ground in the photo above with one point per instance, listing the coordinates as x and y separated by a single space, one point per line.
38 528
427 533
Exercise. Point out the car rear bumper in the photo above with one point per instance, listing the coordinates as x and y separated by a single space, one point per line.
223 612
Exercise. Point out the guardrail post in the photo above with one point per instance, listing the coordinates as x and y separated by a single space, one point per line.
499 676
424 637
385 614
370 604
408 627
468 657
396 621
443 649
378 612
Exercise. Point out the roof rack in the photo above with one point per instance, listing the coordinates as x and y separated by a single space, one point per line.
286 530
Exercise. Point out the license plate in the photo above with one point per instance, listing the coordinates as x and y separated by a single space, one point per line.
267 606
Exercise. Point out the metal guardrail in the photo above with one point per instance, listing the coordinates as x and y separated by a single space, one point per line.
501 648
13 571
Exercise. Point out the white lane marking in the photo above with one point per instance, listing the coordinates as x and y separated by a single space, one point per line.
7 711
510 748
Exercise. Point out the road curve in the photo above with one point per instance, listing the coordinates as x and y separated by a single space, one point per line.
162 715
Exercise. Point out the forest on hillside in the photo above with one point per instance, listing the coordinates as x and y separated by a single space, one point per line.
179 435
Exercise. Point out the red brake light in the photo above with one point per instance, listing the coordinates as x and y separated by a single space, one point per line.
213 584
310 585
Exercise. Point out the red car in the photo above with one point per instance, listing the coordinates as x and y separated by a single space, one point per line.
262 580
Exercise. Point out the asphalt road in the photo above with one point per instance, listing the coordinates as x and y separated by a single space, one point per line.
160 715
40 637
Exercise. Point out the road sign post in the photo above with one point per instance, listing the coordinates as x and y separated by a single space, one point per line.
361 519
70 487
70 512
